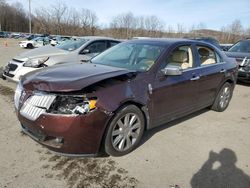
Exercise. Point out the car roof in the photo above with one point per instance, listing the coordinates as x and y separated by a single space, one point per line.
95 37
248 40
165 41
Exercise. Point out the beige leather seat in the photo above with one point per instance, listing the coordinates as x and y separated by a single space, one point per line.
204 57
180 58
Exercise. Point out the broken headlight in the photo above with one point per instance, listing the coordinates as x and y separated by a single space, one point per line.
72 105
245 62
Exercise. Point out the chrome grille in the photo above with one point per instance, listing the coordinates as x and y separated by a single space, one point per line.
36 105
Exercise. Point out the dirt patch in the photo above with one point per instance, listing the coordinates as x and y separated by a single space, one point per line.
87 172
8 92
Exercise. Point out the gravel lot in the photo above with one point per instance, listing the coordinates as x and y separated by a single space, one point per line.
206 149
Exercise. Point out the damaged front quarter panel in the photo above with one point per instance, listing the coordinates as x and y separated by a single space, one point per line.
114 92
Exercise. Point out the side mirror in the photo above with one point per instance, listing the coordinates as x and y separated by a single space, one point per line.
85 51
172 70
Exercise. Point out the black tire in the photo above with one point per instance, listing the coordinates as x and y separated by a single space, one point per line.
29 46
223 98
124 132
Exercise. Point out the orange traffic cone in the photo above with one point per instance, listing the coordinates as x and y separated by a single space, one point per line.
5 44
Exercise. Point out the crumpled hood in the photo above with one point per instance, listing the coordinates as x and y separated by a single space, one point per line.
44 51
69 77
237 54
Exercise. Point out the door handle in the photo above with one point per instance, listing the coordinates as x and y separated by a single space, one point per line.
195 78
222 70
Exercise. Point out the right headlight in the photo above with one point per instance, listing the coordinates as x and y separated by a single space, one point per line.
72 105
35 62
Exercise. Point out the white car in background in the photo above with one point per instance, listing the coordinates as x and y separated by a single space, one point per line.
59 40
80 50
34 43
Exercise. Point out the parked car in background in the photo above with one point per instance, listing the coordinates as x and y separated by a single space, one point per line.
241 52
3 34
14 35
35 42
210 40
59 40
71 51
32 36
225 47
124 91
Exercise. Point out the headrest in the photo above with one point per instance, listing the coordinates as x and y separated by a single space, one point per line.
180 56
203 52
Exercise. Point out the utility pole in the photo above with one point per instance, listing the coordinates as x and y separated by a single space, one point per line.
29 17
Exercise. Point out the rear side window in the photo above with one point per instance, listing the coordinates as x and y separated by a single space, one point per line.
208 56
97 47
113 43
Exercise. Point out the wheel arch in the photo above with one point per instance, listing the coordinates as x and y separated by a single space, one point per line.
139 105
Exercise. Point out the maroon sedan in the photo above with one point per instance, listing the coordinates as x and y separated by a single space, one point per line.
108 103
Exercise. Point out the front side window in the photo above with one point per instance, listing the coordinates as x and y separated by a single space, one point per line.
181 56
133 56
207 55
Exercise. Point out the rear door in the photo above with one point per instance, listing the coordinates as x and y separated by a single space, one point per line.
212 70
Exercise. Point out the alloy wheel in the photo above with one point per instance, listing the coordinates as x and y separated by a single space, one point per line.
225 97
126 132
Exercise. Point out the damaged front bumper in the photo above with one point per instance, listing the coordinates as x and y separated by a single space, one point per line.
68 134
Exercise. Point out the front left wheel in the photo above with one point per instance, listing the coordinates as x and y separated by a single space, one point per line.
125 131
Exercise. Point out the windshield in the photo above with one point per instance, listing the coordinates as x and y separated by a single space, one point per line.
72 45
241 46
139 57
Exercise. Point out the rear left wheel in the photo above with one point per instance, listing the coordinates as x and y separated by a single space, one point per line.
29 46
125 131
223 98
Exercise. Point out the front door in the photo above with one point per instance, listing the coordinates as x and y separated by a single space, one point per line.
175 96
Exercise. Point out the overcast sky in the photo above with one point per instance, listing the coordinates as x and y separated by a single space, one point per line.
213 13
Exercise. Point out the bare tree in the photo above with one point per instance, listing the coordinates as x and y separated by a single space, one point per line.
58 12
180 30
88 21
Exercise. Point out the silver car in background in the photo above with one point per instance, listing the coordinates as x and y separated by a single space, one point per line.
78 50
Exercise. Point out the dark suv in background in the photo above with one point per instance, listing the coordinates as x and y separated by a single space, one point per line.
241 52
